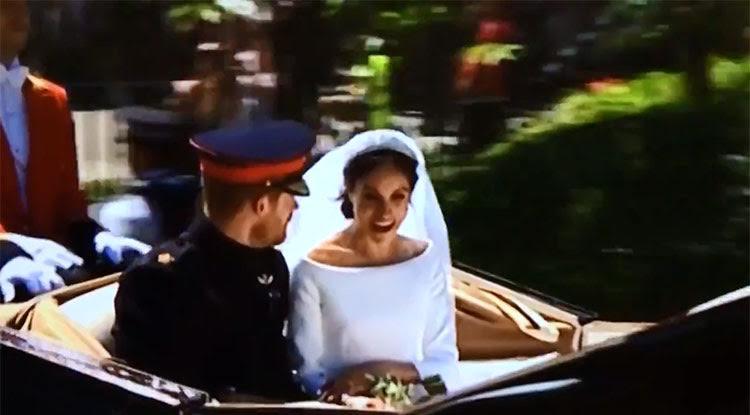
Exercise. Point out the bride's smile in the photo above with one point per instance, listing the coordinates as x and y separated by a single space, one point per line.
383 227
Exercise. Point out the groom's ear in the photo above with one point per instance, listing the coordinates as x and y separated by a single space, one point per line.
259 205
264 203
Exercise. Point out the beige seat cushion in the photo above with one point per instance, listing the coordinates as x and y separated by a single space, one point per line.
43 316
492 326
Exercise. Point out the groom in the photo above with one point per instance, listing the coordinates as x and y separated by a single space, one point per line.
208 308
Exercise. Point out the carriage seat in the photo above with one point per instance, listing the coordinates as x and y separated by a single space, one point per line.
95 312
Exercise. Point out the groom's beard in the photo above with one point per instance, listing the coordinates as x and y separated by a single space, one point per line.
268 234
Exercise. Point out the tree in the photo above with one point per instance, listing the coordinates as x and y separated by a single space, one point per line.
686 31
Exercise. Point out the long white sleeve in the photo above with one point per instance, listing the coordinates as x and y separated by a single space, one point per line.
439 342
306 331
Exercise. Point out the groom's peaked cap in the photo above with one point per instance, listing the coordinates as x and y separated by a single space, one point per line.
272 154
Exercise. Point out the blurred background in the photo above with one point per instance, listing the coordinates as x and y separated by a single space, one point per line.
593 150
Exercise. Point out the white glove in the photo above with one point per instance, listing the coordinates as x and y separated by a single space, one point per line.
36 278
116 248
45 251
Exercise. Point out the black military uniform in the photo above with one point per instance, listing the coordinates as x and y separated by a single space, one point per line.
205 310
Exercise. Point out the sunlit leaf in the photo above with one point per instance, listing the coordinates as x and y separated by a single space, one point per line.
209 15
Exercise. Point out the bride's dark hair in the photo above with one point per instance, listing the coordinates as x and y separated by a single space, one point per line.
365 163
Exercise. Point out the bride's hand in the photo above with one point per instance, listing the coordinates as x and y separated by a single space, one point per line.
352 382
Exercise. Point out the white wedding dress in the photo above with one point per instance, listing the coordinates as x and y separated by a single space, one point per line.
345 316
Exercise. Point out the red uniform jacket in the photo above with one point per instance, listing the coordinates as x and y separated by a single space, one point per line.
56 205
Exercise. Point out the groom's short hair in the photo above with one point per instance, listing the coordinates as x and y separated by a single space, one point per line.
225 199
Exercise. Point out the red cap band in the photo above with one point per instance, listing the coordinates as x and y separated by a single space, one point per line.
256 173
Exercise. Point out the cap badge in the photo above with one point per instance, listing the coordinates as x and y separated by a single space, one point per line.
265 279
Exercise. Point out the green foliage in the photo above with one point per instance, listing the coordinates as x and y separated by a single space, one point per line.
730 74
651 90
643 29
583 107
99 190
392 391
628 201
184 17
491 53
378 95
384 28
638 22
391 18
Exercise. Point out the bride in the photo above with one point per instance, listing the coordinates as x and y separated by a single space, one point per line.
371 271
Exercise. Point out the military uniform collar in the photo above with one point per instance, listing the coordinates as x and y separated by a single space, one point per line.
207 236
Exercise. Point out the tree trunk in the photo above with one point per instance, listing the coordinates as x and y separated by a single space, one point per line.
692 26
